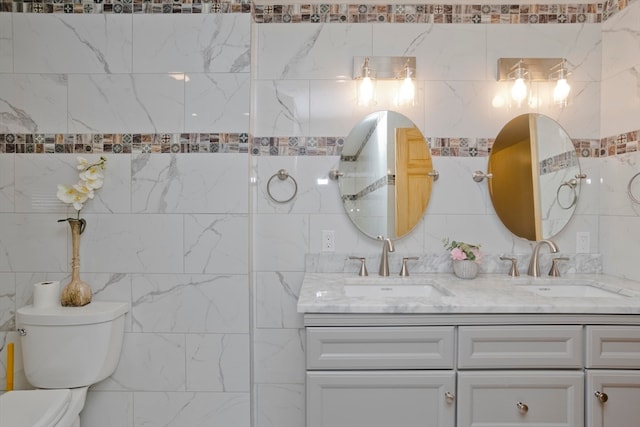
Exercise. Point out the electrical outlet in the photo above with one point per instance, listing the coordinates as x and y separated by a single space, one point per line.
328 241
582 242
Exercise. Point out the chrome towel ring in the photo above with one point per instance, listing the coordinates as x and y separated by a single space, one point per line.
282 175
629 192
571 186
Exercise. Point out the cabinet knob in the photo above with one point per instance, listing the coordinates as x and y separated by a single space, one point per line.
602 397
522 407
449 396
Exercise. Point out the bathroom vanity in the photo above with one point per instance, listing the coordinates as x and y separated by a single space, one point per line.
433 350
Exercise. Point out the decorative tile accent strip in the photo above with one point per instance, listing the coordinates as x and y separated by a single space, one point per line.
125 143
347 13
433 13
267 146
125 6
376 185
558 162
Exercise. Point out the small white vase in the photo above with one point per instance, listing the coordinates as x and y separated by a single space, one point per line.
465 269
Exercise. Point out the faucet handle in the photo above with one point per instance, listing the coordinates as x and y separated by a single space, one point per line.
363 266
513 271
554 272
404 271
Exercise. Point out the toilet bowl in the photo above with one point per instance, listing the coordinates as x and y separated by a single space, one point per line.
64 351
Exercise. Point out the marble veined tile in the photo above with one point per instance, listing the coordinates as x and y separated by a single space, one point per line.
173 409
33 103
108 408
190 303
283 106
276 298
7 301
37 179
72 43
280 405
218 362
6 43
7 183
185 183
315 51
621 42
191 43
126 103
279 356
217 102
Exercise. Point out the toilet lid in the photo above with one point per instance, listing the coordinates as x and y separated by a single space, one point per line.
33 408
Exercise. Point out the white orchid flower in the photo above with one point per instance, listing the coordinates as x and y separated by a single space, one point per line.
82 164
69 194
93 177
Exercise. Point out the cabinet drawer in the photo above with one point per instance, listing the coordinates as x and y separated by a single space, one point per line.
613 347
380 398
411 347
514 398
514 347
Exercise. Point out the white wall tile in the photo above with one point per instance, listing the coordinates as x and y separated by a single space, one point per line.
215 42
132 243
283 106
33 103
312 51
442 51
38 176
217 102
279 356
126 103
280 242
616 172
217 362
32 242
149 362
316 193
7 183
192 409
216 244
186 183
190 303
108 409
276 299
6 43
455 192
280 405
72 43
619 245
7 301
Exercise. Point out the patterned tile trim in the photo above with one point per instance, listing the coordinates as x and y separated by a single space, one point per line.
125 143
348 13
125 6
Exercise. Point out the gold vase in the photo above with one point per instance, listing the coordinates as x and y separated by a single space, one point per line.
76 293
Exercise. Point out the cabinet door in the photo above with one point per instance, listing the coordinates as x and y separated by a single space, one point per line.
520 398
380 398
613 398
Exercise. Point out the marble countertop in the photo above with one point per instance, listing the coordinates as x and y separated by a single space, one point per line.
487 293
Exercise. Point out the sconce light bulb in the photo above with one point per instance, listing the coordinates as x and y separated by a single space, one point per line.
561 91
407 93
366 92
519 90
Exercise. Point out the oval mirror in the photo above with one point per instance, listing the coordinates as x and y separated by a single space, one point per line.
535 180
385 183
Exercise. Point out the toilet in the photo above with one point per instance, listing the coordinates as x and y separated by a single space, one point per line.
64 351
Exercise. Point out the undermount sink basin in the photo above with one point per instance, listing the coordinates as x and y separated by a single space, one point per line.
579 290
398 287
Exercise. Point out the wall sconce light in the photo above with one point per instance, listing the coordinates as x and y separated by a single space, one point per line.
562 88
369 70
524 70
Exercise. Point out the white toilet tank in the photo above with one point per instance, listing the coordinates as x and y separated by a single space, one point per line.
66 347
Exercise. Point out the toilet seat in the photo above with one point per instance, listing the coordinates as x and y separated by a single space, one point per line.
45 407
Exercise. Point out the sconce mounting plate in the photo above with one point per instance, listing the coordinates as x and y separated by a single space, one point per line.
385 67
539 68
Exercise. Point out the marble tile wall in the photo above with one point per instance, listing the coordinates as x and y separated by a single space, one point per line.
214 293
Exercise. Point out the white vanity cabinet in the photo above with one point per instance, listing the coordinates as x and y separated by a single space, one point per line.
472 370
613 376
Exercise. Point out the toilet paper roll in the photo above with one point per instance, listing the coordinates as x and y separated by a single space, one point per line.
46 294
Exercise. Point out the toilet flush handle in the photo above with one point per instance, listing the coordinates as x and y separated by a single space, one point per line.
22 332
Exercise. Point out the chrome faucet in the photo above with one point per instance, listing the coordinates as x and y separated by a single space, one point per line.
534 266
387 246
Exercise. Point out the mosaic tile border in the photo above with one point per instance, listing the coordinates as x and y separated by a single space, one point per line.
124 143
214 143
339 12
